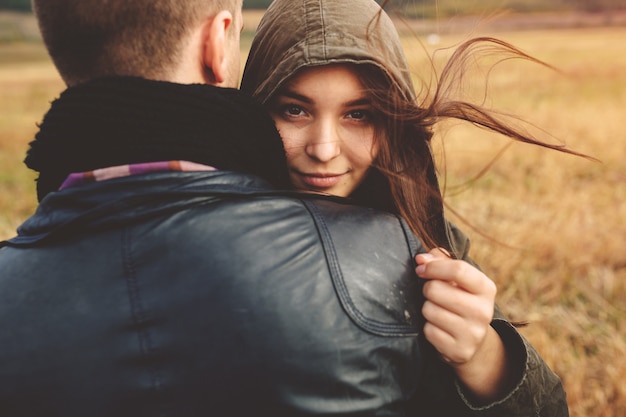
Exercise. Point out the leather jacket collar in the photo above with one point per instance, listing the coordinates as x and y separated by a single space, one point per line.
109 203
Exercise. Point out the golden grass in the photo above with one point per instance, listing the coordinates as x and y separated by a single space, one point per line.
27 84
560 262
561 220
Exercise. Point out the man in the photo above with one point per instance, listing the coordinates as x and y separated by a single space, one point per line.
162 275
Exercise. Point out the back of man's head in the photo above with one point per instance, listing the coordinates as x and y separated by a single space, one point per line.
88 39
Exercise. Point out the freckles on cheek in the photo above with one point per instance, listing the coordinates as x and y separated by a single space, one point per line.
293 148
290 153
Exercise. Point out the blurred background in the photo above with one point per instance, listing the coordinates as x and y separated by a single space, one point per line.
549 228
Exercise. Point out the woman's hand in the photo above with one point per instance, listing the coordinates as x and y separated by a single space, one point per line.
458 310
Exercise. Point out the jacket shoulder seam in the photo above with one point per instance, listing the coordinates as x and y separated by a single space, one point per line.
337 277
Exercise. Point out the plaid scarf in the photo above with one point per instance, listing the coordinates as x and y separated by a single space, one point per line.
77 179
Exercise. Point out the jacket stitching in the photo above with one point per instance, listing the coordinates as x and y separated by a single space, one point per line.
138 311
373 326
415 246
323 26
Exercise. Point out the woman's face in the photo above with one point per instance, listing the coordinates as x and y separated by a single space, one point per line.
326 121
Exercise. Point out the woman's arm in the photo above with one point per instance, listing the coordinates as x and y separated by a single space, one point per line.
458 309
497 371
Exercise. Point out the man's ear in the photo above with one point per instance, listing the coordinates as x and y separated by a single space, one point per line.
215 44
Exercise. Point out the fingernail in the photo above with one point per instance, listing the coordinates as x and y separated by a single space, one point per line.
425 257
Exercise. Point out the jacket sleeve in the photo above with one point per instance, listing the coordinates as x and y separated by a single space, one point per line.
538 391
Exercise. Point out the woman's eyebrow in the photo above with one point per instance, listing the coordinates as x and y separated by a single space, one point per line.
363 101
296 96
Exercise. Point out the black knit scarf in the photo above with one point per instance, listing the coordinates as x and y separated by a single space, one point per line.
123 120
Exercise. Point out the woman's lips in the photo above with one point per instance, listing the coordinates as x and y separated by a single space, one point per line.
320 180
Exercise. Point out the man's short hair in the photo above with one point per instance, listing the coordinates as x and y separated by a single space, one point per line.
93 38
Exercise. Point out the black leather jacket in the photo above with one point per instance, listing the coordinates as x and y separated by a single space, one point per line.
209 294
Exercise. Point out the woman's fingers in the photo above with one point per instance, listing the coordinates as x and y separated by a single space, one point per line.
458 272
457 300
459 305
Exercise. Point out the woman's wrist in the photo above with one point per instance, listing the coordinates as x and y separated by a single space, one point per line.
490 374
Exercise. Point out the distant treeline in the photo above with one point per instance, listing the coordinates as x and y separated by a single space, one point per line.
24 5
19 5
411 6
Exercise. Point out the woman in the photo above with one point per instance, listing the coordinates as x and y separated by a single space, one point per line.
336 80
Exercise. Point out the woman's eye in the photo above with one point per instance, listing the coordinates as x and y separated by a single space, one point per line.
359 115
292 110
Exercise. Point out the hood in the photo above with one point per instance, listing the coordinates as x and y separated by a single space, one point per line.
295 34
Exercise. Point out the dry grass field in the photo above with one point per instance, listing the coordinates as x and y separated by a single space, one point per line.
549 228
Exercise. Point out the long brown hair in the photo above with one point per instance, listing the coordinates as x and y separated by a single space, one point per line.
405 157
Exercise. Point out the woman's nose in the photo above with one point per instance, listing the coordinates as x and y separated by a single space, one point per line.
325 143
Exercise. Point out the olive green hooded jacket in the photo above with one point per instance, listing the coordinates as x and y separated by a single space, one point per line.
296 34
